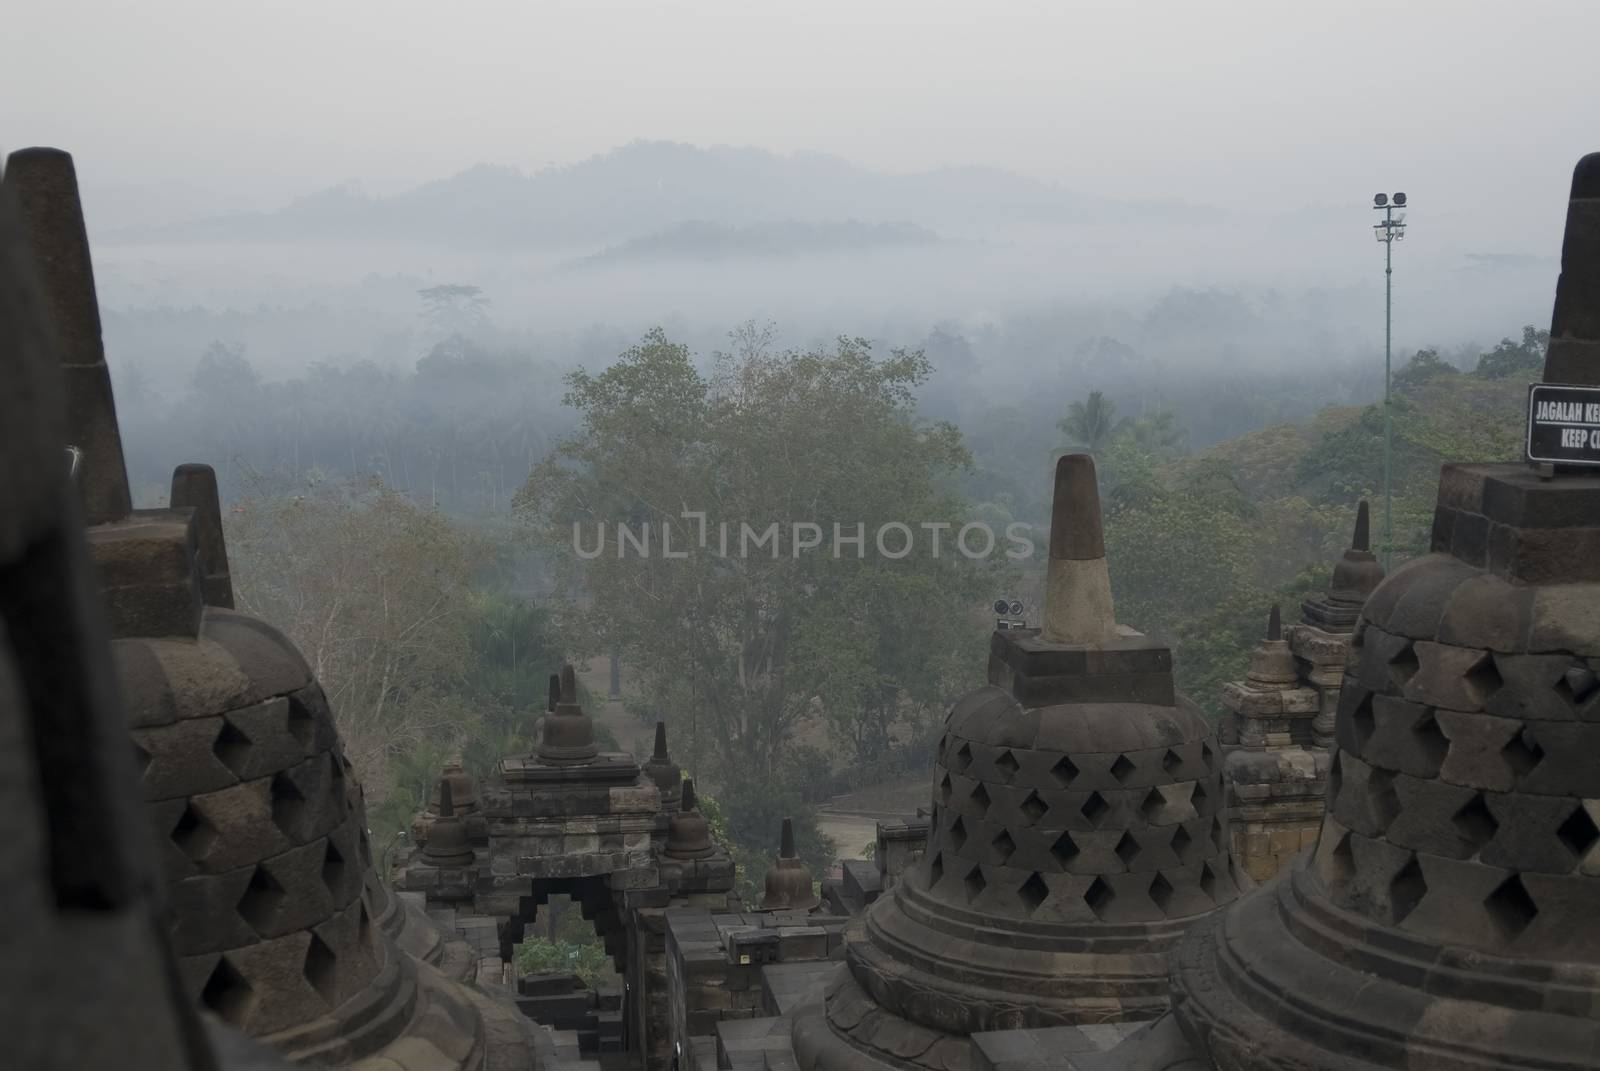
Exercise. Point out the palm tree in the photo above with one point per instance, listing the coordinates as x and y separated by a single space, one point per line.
1158 433
1093 424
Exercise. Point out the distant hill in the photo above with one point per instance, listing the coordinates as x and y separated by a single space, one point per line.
704 241
649 187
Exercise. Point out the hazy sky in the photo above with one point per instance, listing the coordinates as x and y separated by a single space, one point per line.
1463 103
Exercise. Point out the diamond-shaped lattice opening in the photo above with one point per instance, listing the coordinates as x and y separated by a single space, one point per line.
1578 832
1003 846
1406 890
1065 850
944 746
980 799
1522 752
1033 808
319 969
936 869
231 747
1206 755
193 835
1064 772
1335 777
261 900
975 883
1171 762
945 789
1094 809
1431 740
1199 797
366 849
1033 893
333 869
336 768
302 723
1153 804
1122 769
364 931
1510 908
141 759
1098 896
1483 679
1474 822
958 833
1208 881
227 994
1341 861
1383 803
1577 685
288 804
1403 665
963 758
1127 850
1219 836
1161 892
1007 764
1362 721
1180 843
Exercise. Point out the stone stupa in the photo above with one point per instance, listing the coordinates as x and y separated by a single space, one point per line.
1078 829
279 925
1450 916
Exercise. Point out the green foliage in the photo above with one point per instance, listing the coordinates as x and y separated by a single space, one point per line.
1091 425
1423 366
1522 360
1200 548
740 649
561 939
747 818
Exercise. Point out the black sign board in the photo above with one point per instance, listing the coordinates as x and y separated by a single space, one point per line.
1564 424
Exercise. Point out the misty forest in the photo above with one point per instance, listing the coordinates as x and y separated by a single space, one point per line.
411 401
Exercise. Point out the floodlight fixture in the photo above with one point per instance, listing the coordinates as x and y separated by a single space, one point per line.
1379 200
1400 200
1016 608
1000 606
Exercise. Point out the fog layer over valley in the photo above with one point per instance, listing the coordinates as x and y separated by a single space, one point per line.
1025 294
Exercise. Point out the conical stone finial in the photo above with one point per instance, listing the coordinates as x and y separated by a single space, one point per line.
195 487
447 836
1357 571
788 882
663 771
1272 663
45 185
554 693
1574 353
568 738
1077 603
688 835
786 845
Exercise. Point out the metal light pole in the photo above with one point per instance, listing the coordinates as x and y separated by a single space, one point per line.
1390 231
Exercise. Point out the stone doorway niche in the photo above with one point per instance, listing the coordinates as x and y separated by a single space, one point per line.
599 905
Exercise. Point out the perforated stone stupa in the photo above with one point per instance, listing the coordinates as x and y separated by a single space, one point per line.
279 925
1449 916
1078 828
